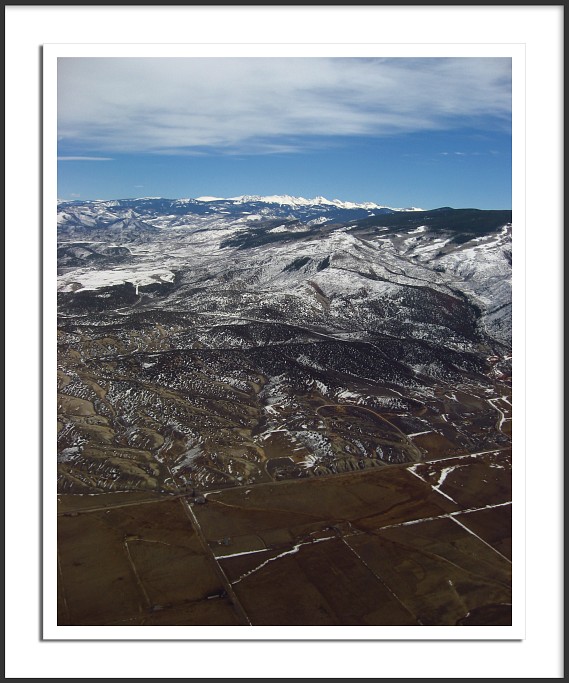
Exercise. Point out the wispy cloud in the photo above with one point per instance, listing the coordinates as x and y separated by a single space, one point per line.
268 105
467 154
71 158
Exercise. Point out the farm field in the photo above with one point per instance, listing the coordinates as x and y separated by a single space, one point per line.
426 544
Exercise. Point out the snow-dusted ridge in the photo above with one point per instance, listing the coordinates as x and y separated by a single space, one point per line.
288 200
280 200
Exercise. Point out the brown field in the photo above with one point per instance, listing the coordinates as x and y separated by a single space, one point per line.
493 525
472 481
320 584
434 444
137 564
436 569
385 546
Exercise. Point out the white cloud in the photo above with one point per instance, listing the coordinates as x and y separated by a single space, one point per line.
269 104
64 158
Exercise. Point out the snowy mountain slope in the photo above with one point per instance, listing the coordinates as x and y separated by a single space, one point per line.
352 272
275 337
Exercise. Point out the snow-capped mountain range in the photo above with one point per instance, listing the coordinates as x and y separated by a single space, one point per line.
287 200
282 200
194 333
280 244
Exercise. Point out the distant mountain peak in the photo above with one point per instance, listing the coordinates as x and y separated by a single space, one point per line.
289 200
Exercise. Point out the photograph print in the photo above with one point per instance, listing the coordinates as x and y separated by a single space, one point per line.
284 342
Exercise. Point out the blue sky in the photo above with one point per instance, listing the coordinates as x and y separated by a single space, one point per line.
398 132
